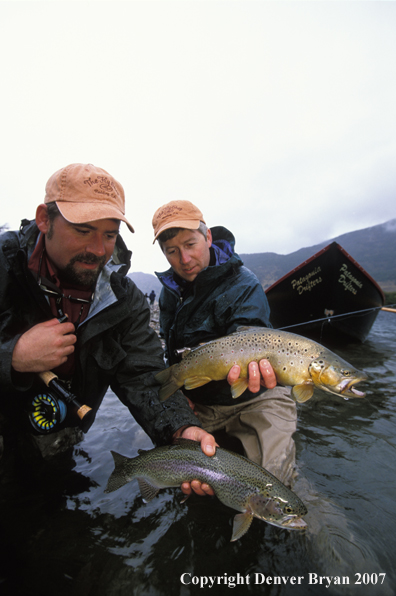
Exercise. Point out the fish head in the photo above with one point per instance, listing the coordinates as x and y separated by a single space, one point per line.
278 511
336 376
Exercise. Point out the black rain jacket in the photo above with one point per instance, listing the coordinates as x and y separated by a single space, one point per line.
115 346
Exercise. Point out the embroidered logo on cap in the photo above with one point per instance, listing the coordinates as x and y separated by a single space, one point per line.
102 185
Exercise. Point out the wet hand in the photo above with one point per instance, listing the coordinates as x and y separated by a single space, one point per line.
44 347
260 374
208 446
200 488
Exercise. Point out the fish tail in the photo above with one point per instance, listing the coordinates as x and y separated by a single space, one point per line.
117 478
169 383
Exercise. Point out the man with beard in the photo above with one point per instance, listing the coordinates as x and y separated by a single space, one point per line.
67 307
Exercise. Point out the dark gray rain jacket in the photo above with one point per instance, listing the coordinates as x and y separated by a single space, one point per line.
222 297
115 348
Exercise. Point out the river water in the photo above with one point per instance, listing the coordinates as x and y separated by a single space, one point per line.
61 535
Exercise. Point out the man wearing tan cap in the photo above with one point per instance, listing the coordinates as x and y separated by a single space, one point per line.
68 307
208 293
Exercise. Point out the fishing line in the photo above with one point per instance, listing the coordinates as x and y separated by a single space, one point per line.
331 317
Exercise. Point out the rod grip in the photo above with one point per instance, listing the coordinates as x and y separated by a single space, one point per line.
47 377
83 411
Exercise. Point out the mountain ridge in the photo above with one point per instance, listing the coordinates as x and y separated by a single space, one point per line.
374 248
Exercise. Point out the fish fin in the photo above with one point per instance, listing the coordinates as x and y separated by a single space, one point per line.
147 490
117 478
239 387
163 375
194 382
303 392
241 525
184 499
169 383
185 352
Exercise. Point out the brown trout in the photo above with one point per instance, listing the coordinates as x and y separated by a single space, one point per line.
237 482
297 361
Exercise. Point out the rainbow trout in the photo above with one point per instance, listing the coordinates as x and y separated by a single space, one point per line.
297 361
237 482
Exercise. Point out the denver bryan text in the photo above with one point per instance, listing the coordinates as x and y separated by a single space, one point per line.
231 581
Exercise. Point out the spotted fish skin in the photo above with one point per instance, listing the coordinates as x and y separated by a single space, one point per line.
297 361
237 482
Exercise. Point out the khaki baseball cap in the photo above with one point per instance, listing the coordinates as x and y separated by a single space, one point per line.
85 193
176 214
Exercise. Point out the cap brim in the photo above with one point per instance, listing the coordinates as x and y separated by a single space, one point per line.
85 212
188 224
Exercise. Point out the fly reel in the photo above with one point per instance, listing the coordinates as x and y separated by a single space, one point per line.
48 408
46 412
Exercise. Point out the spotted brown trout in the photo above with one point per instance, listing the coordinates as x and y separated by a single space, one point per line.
297 361
237 482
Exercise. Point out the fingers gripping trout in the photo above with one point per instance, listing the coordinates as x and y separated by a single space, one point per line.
237 482
297 361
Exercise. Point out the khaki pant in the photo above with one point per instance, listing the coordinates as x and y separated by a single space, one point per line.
264 425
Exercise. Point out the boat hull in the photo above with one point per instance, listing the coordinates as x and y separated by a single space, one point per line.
328 296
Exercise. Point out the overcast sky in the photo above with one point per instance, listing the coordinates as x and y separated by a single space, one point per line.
277 119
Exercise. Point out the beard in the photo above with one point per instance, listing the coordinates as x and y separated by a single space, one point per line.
83 277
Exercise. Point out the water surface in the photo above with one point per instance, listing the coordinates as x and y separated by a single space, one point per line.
61 535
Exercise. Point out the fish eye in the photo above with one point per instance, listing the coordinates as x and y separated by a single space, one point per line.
288 509
345 372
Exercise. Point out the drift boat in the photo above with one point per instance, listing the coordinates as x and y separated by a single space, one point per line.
329 296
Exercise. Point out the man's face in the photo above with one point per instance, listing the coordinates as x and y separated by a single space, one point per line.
79 252
188 253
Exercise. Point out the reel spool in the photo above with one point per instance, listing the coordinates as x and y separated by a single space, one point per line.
48 409
46 412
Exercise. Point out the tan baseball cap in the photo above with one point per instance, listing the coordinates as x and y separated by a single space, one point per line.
85 193
176 214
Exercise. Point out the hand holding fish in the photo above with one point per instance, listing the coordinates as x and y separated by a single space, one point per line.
260 374
297 361
208 446
238 483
